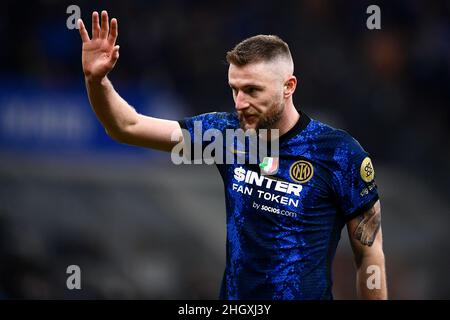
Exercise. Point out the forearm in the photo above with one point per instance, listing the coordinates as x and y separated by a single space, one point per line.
371 278
115 114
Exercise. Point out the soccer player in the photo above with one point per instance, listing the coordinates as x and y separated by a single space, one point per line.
285 216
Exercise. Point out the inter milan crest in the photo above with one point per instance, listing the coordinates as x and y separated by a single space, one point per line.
301 171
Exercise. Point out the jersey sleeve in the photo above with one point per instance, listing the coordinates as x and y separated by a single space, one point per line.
196 127
354 179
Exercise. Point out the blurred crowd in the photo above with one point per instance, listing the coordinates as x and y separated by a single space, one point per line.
389 88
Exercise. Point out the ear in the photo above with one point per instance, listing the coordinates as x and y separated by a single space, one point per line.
289 86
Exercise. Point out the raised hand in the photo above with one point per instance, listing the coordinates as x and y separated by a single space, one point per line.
99 54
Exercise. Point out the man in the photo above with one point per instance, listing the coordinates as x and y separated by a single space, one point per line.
283 225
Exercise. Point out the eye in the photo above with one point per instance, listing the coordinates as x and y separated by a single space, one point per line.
251 90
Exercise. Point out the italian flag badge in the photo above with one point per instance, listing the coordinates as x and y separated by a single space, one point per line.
269 166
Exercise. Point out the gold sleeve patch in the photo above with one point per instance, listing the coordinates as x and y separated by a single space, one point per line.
367 171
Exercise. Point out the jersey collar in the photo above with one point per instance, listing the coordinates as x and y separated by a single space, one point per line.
301 124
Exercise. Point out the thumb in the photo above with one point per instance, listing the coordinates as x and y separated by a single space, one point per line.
115 55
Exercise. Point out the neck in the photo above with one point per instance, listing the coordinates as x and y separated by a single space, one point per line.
288 119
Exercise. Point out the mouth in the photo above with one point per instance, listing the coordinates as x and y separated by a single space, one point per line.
250 118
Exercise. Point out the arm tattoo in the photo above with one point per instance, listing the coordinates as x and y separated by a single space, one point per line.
369 224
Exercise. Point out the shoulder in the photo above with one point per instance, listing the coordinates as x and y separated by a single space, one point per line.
333 138
211 120
336 149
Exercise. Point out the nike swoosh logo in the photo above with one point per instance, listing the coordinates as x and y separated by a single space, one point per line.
238 152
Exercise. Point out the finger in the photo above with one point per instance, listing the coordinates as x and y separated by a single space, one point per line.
95 25
83 32
105 25
114 31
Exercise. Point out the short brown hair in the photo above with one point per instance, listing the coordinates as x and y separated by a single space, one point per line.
258 48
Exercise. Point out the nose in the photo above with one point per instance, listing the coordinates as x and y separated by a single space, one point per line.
241 101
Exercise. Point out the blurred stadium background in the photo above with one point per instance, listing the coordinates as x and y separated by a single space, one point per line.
140 227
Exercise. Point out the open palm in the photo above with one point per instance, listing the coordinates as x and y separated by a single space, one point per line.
99 54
